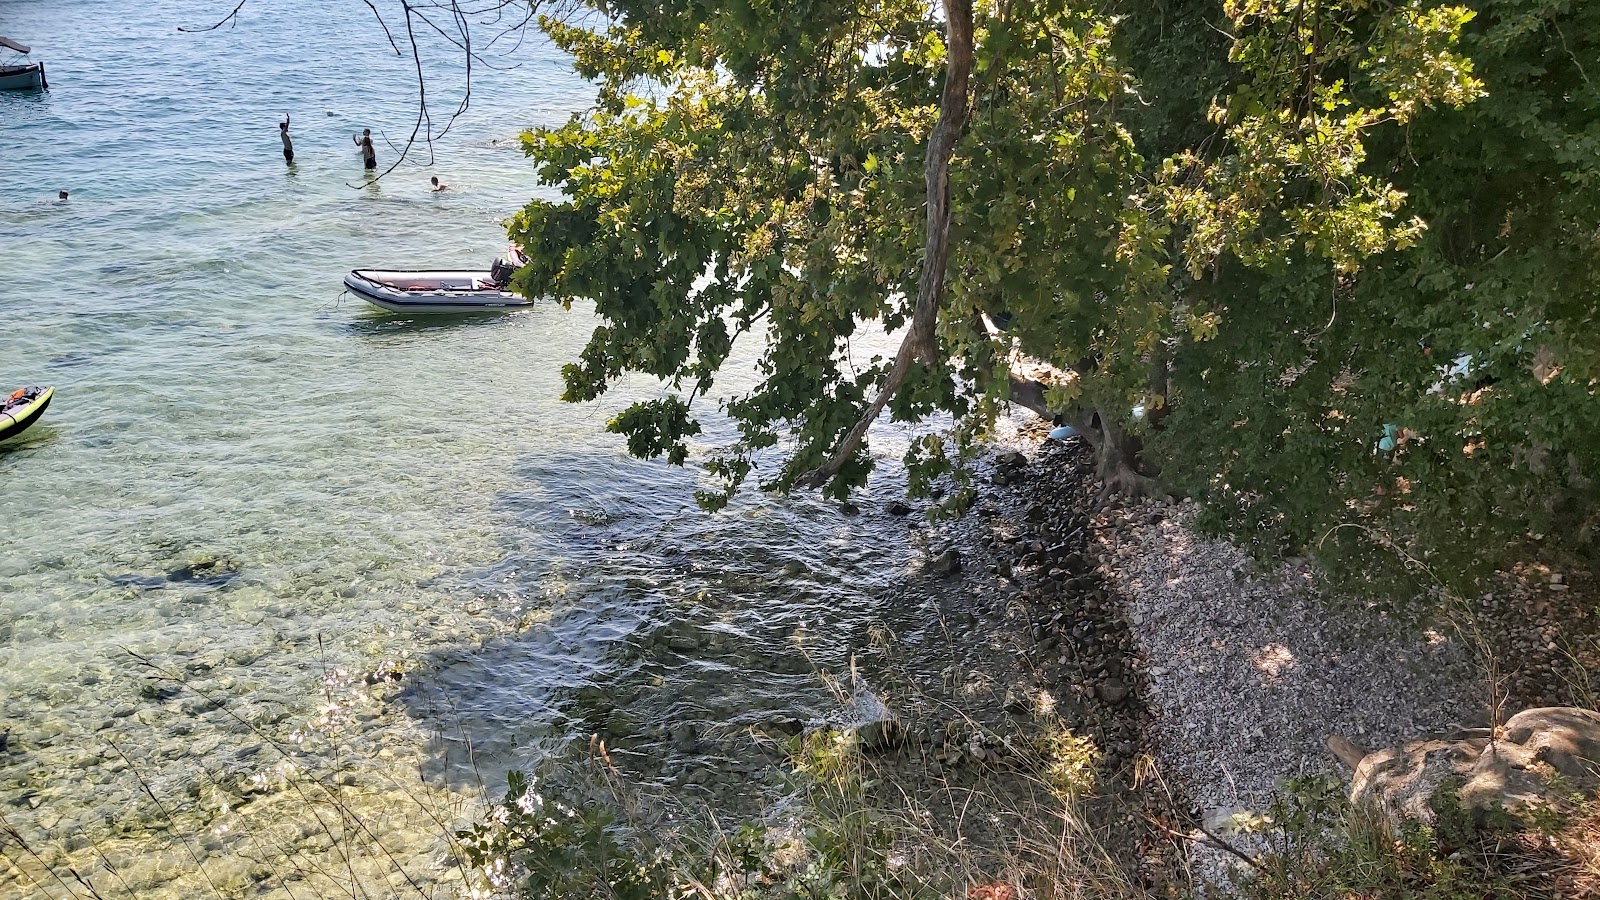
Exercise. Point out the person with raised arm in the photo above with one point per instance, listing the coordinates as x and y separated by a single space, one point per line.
369 157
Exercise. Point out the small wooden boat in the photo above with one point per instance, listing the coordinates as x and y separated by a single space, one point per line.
23 76
438 291
23 408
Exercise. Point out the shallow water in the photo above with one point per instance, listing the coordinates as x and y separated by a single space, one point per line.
267 491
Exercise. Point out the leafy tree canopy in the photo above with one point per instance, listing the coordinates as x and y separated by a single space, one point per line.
1343 253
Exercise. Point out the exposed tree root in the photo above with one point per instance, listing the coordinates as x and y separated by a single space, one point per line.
1116 456
1125 481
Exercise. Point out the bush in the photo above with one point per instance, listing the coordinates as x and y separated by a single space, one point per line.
584 835
1325 846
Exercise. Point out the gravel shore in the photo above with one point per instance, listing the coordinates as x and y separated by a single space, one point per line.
1250 670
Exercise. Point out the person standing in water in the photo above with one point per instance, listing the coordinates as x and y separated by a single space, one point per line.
369 157
288 146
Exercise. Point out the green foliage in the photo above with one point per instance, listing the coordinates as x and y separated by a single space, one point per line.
1069 760
1366 235
1474 347
1323 846
567 840
566 845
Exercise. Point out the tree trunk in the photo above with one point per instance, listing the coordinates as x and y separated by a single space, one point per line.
1158 384
1116 461
1115 451
1029 394
921 342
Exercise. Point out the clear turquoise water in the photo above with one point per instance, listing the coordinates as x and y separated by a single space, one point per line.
270 491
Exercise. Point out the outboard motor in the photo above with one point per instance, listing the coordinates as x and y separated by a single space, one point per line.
501 271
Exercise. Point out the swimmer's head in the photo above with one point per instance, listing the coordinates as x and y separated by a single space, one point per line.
366 132
62 195
434 179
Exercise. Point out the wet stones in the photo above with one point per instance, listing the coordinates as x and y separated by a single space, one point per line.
1077 637
946 563
205 571
683 737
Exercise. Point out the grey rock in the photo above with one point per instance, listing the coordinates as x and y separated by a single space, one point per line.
946 563
1112 691
1230 821
683 737
1508 772
788 725
874 724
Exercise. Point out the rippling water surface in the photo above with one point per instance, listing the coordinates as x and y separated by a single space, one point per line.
267 491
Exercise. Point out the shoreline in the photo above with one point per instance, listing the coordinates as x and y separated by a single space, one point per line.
1205 680
1102 677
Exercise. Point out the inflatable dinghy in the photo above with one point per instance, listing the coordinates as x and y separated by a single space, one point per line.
22 409
432 291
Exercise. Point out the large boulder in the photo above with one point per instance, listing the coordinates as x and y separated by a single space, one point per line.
1536 751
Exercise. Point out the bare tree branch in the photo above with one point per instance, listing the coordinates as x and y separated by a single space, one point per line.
384 25
458 33
423 116
921 342
1029 394
230 17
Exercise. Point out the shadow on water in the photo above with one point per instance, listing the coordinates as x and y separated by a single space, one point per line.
690 642
29 100
36 437
385 324
672 634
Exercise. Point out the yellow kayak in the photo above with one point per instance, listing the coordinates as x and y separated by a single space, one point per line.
22 409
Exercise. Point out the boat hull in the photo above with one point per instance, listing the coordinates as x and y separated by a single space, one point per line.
457 292
19 419
22 78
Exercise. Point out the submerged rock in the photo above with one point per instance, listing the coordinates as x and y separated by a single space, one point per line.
873 724
946 563
683 737
206 571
